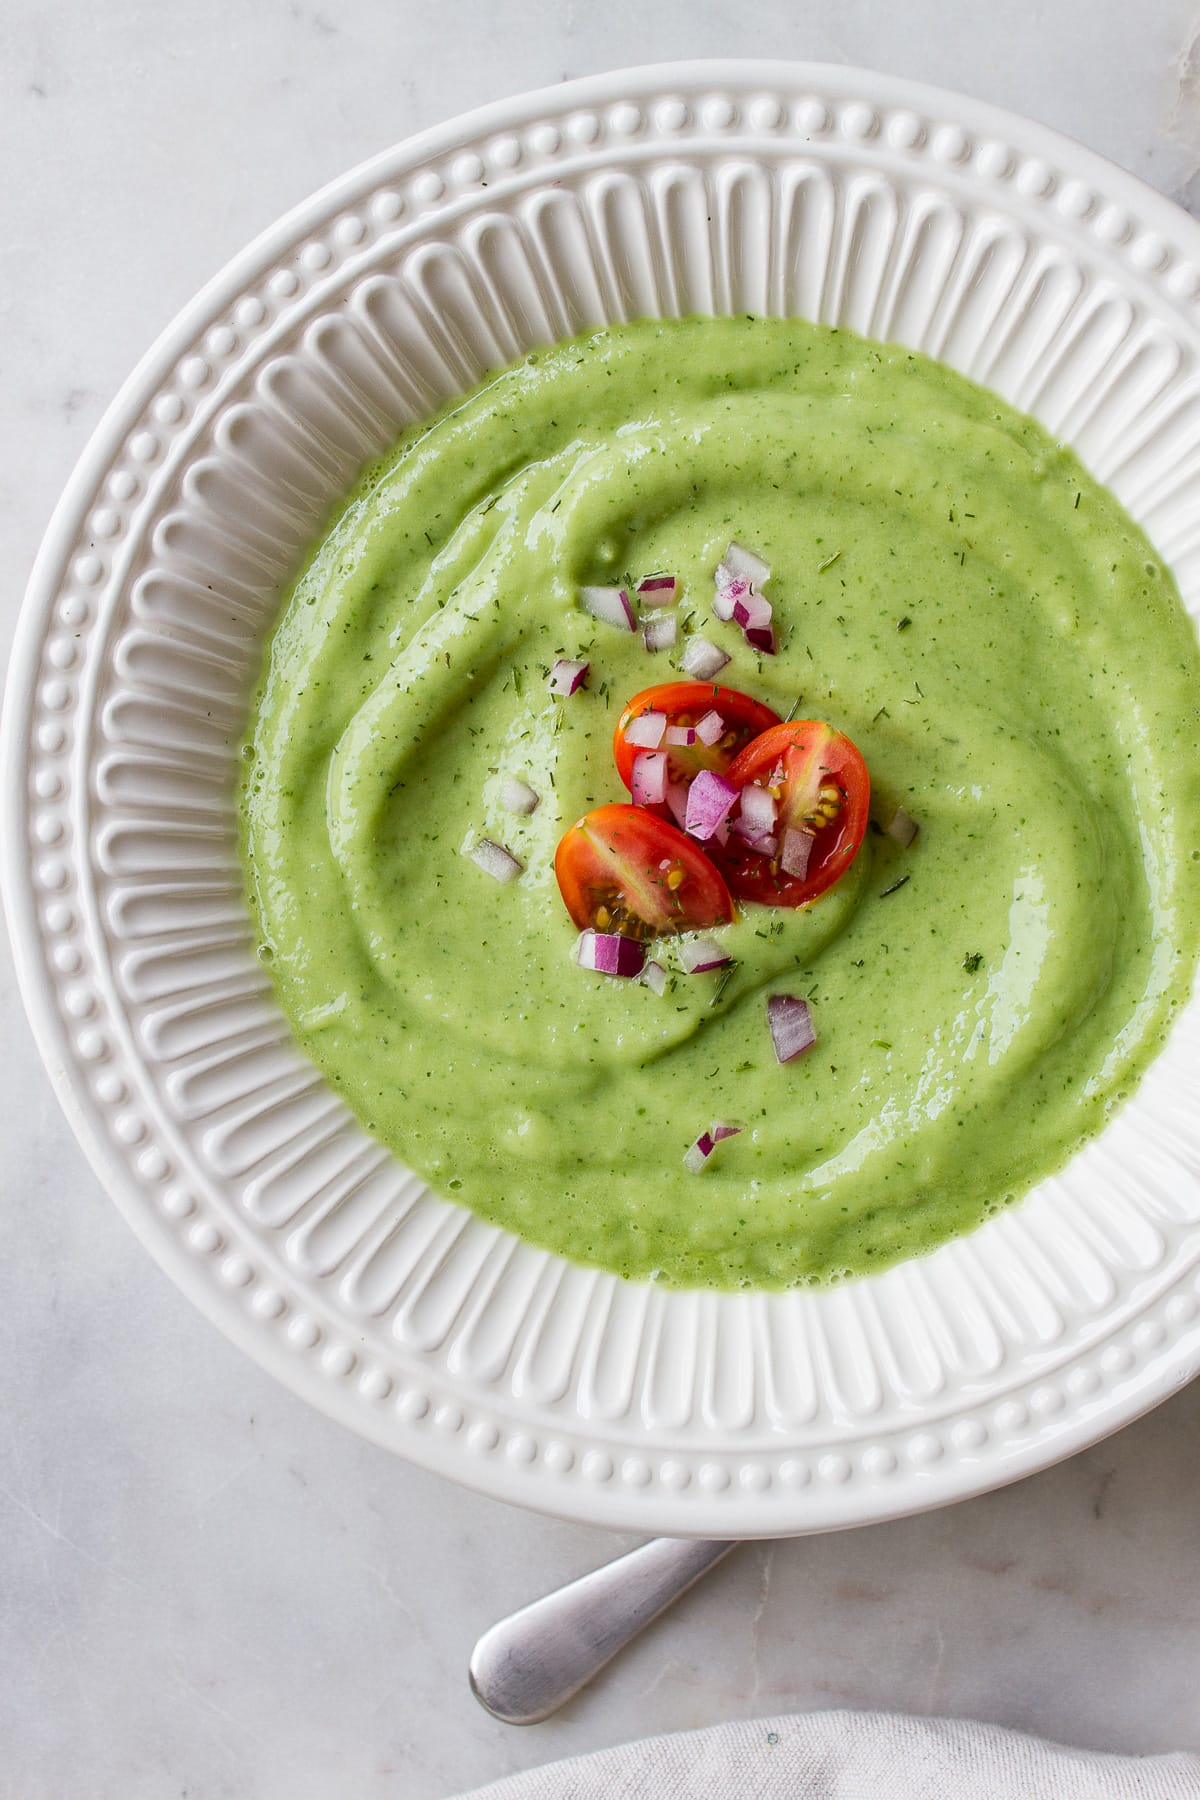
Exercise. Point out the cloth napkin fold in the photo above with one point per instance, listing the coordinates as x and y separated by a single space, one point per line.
851 1756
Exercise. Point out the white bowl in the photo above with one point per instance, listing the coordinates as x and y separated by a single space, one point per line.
1012 254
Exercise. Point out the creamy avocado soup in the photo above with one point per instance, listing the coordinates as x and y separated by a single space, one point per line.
950 589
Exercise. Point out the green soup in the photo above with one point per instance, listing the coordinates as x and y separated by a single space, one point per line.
952 590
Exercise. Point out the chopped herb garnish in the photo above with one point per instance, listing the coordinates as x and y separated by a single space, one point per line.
971 963
726 977
828 563
903 624
894 886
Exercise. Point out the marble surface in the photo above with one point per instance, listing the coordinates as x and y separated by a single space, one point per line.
207 1589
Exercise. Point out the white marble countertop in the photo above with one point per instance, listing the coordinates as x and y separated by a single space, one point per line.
206 1588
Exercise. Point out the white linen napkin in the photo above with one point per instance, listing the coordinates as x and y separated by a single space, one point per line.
851 1756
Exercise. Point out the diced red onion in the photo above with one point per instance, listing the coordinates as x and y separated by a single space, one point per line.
658 633
495 860
702 659
697 954
738 563
903 828
710 728
757 812
608 953
699 1153
796 850
752 612
682 734
648 782
646 731
655 977
763 844
709 802
761 638
738 600
566 676
791 1026
516 796
658 590
611 605
727 596
677 796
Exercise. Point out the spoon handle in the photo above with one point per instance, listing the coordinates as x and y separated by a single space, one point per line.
531 1663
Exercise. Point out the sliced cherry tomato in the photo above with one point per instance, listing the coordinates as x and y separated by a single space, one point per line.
685 703
821 786
623 869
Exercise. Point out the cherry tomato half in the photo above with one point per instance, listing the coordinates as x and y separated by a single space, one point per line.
623 869
685 703
821 786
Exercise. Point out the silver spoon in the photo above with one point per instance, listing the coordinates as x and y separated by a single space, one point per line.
531 1663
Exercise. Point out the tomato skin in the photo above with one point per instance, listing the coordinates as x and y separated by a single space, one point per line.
684 702
609 871
812 755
